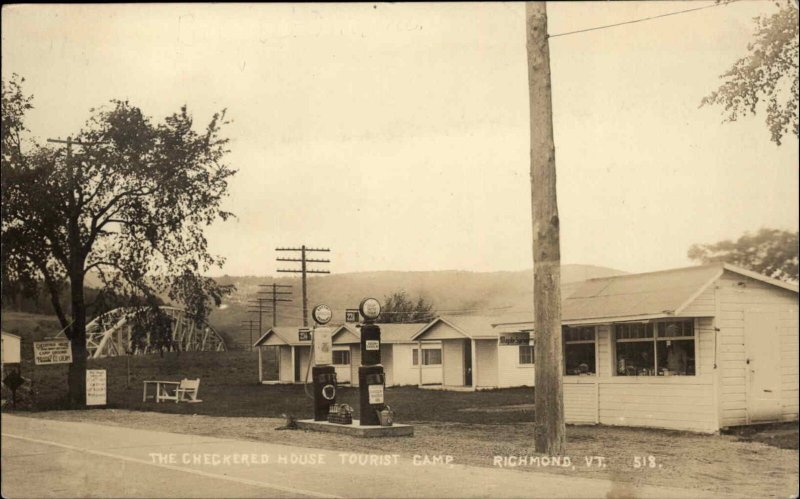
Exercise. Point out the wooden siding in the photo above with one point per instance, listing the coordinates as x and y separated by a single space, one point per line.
605 357
682 403
453 362
286 373
387 362
303 355
734 301
580 401
486 362
509 371
705 305
355 362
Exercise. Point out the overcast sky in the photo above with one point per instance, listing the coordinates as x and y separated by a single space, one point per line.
398 135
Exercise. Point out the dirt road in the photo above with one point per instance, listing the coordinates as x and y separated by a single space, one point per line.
43 458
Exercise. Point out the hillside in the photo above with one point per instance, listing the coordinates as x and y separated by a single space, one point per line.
506 295
451 292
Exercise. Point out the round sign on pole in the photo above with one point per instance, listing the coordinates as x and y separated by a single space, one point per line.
322 314
370 308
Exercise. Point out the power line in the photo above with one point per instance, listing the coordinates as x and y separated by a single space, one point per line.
276 297
641 20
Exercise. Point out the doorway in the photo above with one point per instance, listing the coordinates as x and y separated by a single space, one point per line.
467 363
272 362
762 366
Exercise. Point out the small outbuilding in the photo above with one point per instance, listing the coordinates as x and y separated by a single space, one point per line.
282 356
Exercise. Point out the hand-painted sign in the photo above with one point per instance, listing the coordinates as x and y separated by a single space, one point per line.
52 352
518 338
96 387
304 334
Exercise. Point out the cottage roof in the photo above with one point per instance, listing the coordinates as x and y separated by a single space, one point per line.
286 334
650 295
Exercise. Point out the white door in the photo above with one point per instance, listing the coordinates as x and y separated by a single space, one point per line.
762 364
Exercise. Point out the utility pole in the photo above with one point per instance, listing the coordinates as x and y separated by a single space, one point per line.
303 270
260 310
275 298
250 323
549 398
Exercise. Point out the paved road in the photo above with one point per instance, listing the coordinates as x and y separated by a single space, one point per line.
42 458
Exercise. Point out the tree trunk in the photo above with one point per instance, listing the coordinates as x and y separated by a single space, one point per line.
549 431
76 377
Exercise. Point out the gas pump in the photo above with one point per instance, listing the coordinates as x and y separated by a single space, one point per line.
371 378
323 374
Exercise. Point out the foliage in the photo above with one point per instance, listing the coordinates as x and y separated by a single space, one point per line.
771 252
769 72
127 199
399 308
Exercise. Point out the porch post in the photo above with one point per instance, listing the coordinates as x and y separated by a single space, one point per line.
419 362
294 371
260 374
474 365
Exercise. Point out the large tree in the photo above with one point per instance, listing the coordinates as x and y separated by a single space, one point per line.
768 72
399 307
770 252
126 198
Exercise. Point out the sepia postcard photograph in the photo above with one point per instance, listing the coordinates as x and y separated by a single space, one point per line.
400 250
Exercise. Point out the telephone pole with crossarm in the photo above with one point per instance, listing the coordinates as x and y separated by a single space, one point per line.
304 270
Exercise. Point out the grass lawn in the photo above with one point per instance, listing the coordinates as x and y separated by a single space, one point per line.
473 427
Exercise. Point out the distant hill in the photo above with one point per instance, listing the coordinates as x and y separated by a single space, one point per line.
451 292
506 295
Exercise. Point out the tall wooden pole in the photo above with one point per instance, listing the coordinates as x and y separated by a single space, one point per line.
549 432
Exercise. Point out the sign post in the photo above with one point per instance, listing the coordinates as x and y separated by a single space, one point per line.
52 352
96 387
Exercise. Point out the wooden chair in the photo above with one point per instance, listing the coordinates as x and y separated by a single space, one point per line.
185 391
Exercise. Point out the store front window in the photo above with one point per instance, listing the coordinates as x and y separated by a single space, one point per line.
663 348
579 350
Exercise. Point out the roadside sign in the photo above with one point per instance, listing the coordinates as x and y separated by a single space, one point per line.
351 315
304 334
518 338
52 352
96 388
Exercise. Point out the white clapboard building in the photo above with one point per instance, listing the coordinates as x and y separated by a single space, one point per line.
697 348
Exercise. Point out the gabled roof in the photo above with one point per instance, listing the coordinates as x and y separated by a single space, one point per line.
638 296
287 334
399 333
469 326
650 295
12 335
347 334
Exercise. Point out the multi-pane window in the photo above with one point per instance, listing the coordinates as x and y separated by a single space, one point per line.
430 356
579 350
525 354
663 348
341 357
